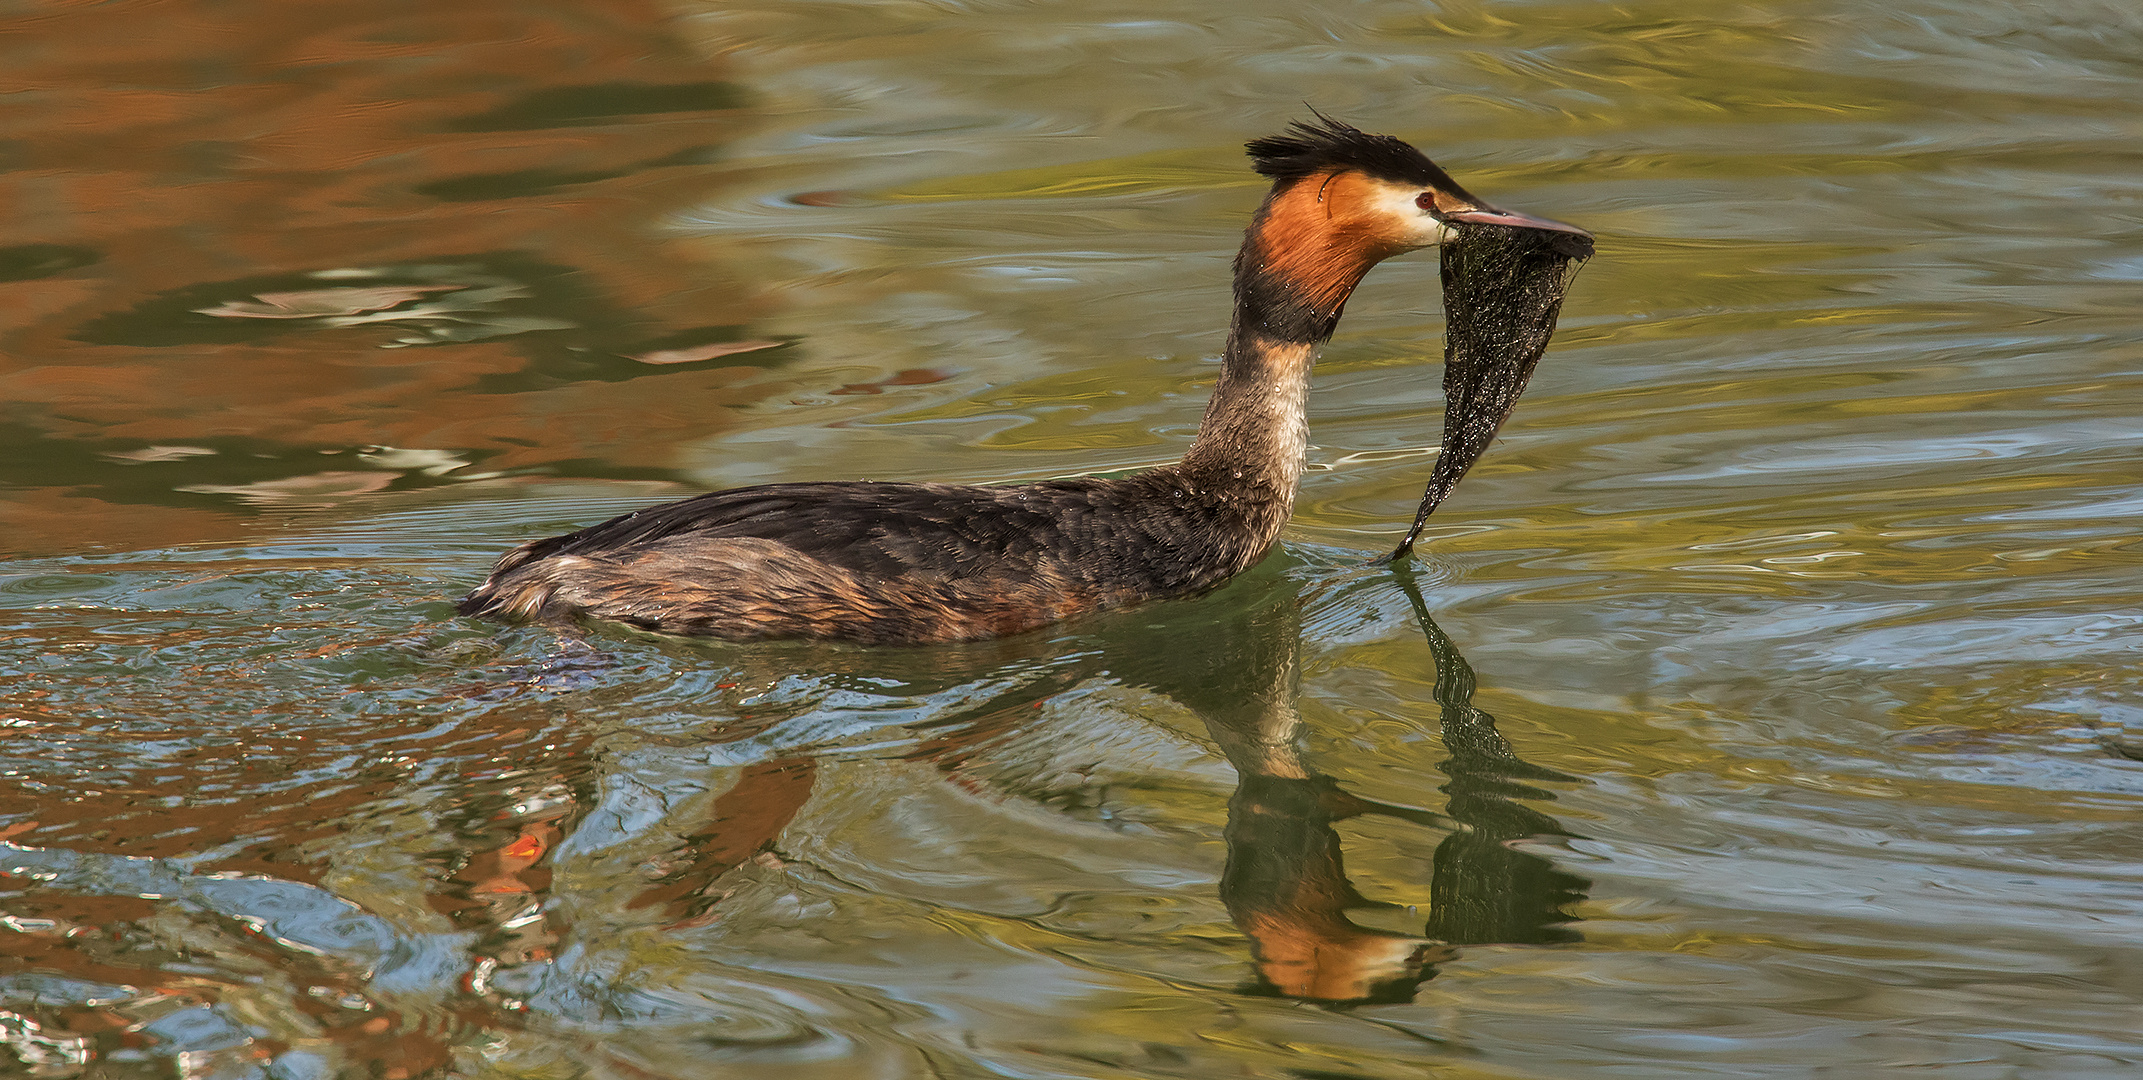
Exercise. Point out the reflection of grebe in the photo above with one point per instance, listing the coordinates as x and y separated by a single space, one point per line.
1286 884
892 563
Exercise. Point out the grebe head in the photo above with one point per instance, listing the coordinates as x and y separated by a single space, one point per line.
1342 201
1381 192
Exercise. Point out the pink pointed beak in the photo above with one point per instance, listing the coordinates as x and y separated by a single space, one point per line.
1570 240
1489 215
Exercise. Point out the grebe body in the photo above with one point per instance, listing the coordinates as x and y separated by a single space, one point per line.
906 563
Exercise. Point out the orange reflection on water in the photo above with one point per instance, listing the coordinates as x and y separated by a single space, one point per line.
172 163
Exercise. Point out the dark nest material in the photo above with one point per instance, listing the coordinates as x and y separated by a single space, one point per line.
1503 287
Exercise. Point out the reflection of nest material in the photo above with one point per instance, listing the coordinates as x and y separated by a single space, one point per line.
1485 889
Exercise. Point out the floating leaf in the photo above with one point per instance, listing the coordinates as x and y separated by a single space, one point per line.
702 352
158 453
316 303
317 491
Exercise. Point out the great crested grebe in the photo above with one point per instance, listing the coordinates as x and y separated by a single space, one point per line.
910 564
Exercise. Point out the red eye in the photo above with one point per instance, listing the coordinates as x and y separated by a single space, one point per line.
1426 200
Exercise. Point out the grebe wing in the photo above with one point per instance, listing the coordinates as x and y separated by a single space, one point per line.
877 529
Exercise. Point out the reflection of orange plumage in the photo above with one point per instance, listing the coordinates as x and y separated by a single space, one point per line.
1287 889
1320 956
1285 884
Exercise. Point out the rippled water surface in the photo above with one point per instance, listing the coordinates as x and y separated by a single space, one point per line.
1763 705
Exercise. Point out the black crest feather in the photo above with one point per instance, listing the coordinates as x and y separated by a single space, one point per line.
1307 149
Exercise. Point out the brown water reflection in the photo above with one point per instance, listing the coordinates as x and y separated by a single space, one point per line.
242 212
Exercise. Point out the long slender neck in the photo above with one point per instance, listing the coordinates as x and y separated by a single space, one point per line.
1292 279
1255 430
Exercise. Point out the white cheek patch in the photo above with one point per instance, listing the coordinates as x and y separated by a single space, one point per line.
1411 224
